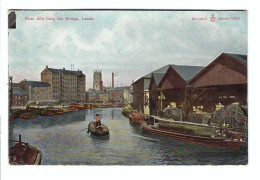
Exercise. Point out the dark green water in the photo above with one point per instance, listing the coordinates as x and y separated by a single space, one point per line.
64 140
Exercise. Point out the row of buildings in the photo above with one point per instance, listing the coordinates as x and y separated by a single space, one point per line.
108 95
66 86
223 81
56 86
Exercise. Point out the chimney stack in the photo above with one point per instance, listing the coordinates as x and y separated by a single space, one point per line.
112 80
101 85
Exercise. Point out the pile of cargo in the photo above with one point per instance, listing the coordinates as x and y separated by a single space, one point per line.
233 115
171 113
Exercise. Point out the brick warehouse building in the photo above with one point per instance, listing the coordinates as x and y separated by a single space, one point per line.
223 81
36 90
66 85
141 91
20 97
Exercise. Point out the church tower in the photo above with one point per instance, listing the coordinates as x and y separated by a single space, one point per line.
97 79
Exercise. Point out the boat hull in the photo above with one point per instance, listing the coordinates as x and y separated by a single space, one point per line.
93 130
136 118
32 158
206 141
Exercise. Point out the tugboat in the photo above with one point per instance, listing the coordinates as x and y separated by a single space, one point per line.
97 128
24 154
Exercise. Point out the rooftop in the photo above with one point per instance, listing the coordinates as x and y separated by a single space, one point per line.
240 57
185 71
120 88
18 91
64 71
37 83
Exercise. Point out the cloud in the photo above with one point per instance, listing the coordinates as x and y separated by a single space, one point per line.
132 43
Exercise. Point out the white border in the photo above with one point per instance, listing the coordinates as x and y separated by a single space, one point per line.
144 172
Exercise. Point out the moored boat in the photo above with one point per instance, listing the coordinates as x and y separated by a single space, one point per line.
87 106
72 109
218 142
28 115
78 106
97 128
121 105
93 106
52 112
136 118
24 154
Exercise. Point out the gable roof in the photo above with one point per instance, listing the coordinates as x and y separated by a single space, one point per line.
240 57
160 70
37 83
187 72
157 77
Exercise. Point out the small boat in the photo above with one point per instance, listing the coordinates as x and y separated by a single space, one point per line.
136 118
217 142
93 106
121 105
97 128
87 106
28 115
72 109
78 106
52 112
24 154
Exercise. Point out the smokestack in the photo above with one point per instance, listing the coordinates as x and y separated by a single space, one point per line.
112 80
101 85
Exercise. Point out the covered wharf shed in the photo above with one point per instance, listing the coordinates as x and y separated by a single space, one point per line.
223 81
141 91
171 86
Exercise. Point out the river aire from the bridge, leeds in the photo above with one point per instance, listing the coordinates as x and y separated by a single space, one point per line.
128 87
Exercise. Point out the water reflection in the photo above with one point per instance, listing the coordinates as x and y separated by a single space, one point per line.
64 140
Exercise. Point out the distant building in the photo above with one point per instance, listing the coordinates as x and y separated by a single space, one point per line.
97 96
66 85
36 90
120 95
20 97
97 80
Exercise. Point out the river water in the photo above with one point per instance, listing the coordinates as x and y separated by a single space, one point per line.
64 140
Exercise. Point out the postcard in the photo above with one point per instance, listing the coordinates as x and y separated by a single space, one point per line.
127 87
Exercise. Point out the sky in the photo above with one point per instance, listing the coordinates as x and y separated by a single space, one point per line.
129 43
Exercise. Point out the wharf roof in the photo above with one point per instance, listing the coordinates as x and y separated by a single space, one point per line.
18 91
64 71
37 83
240 57
185 71
157 77
160 70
